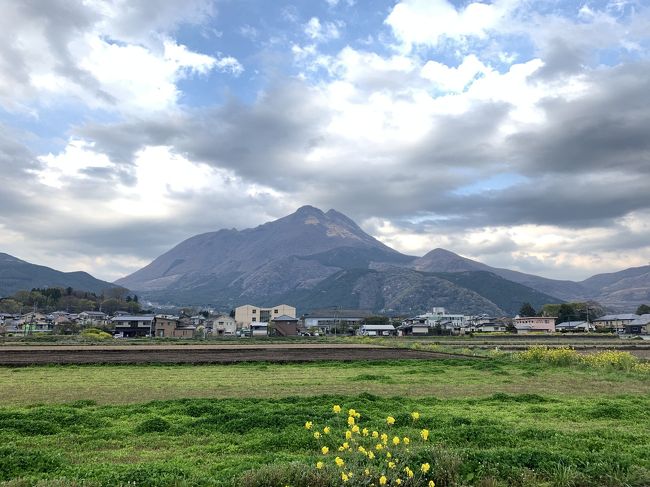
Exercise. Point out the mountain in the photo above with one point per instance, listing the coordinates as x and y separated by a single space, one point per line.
624 290
17 275
296 251
441 260
314 259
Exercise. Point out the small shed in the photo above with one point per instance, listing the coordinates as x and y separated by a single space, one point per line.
285 326
259 329
377 330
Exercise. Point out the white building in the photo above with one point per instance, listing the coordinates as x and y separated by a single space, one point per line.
377 330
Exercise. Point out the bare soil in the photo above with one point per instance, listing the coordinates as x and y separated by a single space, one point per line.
206 354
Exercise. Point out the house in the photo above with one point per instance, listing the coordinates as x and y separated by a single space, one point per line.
247 314
615 322
285 326
491 327
325 320
639 326
527 324
259 329
167 326
376 330
224 325
575 326
92 318
133 326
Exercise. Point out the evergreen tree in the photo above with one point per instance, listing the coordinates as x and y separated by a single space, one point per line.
527 310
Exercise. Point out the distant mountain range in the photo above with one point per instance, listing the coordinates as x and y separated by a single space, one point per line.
17 275
312 259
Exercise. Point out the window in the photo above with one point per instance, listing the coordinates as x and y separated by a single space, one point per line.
254 320
275 311
254 311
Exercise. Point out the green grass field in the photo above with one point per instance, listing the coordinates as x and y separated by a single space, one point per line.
492 423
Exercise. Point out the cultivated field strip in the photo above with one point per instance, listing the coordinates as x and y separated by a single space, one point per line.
38 355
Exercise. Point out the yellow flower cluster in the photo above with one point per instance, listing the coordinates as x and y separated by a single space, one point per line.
368 457
567 356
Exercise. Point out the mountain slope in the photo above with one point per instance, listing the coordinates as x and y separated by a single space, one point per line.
398 290
16 275
441 260
273 252
624 290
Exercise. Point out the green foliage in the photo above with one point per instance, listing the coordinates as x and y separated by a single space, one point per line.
153 425
643 309
17 462
530 440
527 310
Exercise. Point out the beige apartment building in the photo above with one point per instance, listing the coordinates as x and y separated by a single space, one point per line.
247 314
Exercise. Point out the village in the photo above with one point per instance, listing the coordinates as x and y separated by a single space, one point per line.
282 321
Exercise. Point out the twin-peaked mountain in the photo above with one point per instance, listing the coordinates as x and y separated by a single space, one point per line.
314 259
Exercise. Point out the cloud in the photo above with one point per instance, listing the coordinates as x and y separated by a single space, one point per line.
321 32
428 22
106 55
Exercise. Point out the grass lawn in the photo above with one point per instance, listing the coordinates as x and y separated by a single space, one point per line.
491 423
122 384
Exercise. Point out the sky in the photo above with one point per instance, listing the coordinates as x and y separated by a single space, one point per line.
515 132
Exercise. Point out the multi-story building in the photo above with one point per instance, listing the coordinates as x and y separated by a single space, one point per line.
247 314
615 322
526 324
133 326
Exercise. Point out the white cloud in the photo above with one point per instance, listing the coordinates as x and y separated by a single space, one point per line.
230 65
108 55
321 32
427 22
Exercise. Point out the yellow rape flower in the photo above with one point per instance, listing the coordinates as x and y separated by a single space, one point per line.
336 408
371 455
391 465
366 471
339 462
384 438
326 430
346 445
425 467
364 431
352 412
398 481
375 434
424 434
390 420
316 435
319 465
344 477
351 421
395 440
406 440
383 480
409 472
355 429
432 483
358 415
379 446
325 450
388 455
308 425
415 415
348 434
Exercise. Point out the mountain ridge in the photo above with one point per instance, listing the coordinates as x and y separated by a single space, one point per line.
18 275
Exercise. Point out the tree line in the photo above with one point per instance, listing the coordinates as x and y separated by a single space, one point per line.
51 299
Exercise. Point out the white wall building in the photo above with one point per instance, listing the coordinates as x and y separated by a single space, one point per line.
247 314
